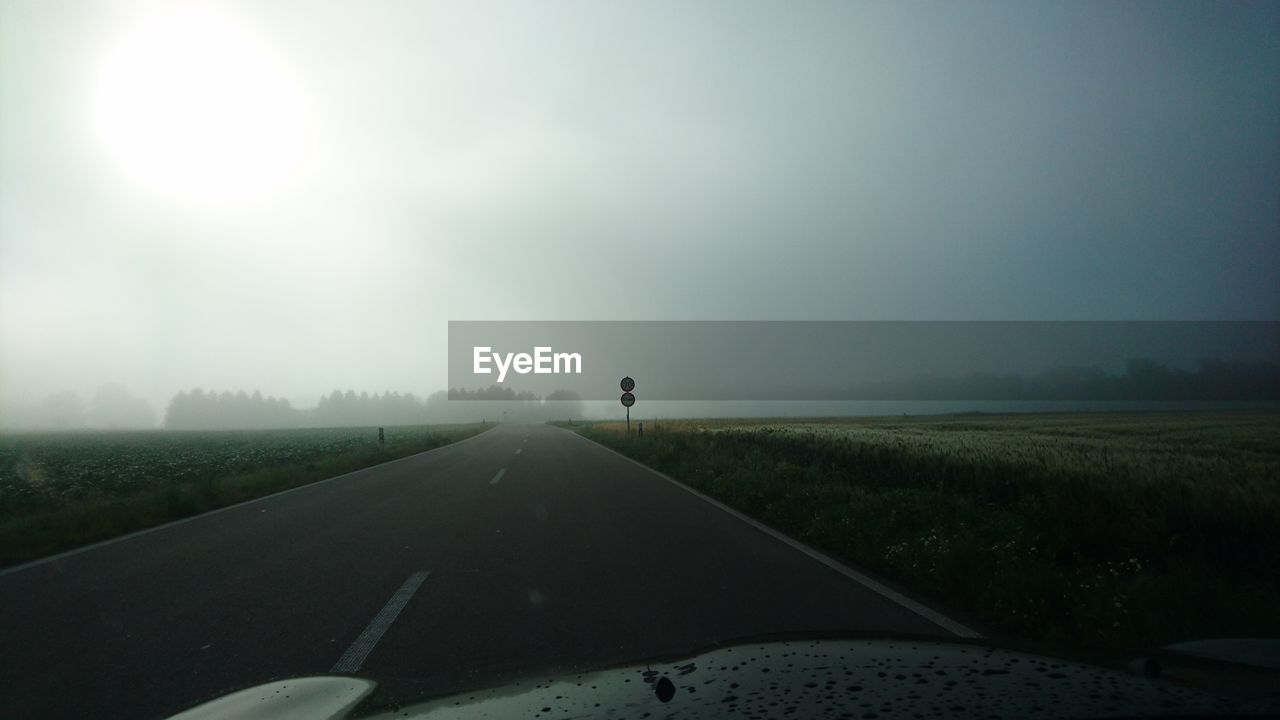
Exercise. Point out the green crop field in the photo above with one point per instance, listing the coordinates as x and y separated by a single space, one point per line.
60 490
1111 531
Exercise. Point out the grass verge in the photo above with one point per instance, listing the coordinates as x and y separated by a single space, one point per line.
60 491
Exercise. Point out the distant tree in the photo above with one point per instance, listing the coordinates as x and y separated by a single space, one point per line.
114 407
63 411
563 405
1148 379
183 411
1086 383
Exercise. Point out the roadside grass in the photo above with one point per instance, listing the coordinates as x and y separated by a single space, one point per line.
1116 532
59 491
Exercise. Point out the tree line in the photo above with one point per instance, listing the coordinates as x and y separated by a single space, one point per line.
198 409
1142 379
111 407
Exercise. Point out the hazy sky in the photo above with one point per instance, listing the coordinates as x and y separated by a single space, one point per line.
297 196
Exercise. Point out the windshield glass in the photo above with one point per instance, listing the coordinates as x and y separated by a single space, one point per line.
452 344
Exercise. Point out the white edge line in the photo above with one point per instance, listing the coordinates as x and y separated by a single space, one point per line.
355 655
498 477
181 521
923 611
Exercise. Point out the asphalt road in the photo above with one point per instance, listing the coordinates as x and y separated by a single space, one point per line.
523 551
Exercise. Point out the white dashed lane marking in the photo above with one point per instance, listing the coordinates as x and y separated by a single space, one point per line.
355 655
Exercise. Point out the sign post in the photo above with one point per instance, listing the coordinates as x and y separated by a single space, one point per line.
628 399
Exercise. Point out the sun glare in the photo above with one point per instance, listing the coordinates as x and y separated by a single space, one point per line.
193 107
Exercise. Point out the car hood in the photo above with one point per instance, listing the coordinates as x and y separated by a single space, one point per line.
811 678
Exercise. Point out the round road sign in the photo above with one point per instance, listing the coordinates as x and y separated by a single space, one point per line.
628 399
628 384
